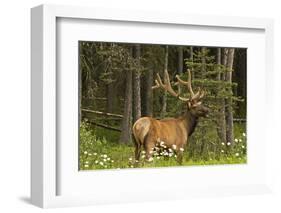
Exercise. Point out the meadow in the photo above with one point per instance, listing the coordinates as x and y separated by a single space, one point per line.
99 149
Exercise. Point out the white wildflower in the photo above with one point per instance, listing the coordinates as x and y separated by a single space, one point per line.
143 152
228 143
236 140
112 161
86 162
105 156
95 153
237 154
223 143
96 161
85 152
222 151
244 134
158 157
130 159
170 150
240 140
150 152
181 149
174 146
108 158
90 154
86 166
150 159
243 147
104 159
143 156
101 163
170 154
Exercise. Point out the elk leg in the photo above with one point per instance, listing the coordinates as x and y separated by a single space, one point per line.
149 146
137 151
180 155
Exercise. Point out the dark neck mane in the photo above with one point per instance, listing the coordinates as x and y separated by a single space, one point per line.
191 122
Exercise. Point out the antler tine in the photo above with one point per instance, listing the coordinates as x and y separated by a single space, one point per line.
160 81
197 95
184 99
168 85
156 86
189 83
186 83
201 95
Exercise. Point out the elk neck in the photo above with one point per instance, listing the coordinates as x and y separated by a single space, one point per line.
190 122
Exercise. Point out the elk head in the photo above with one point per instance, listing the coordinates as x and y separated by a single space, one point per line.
193 103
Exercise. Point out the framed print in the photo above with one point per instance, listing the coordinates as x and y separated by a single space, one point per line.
149 106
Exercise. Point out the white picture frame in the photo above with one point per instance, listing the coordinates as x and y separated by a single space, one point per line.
45 157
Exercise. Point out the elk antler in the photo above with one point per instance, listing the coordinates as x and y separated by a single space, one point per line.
167 86
195 97
156 86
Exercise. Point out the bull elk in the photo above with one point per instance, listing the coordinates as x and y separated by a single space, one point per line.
173 132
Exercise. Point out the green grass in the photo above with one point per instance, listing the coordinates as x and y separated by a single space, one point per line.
99 149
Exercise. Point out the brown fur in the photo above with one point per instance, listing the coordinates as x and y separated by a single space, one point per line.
172 131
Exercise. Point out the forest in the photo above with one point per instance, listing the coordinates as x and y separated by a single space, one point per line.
117 87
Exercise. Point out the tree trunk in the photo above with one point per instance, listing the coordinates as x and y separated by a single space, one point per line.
240 77
221 128
228 107
164 97
147 94
191 54
219 62
80 95
203 60
126 126
191 59
224 62
111 97
180 60
137 88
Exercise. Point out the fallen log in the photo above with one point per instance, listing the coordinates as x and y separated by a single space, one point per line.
105 126
102 113
242 120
